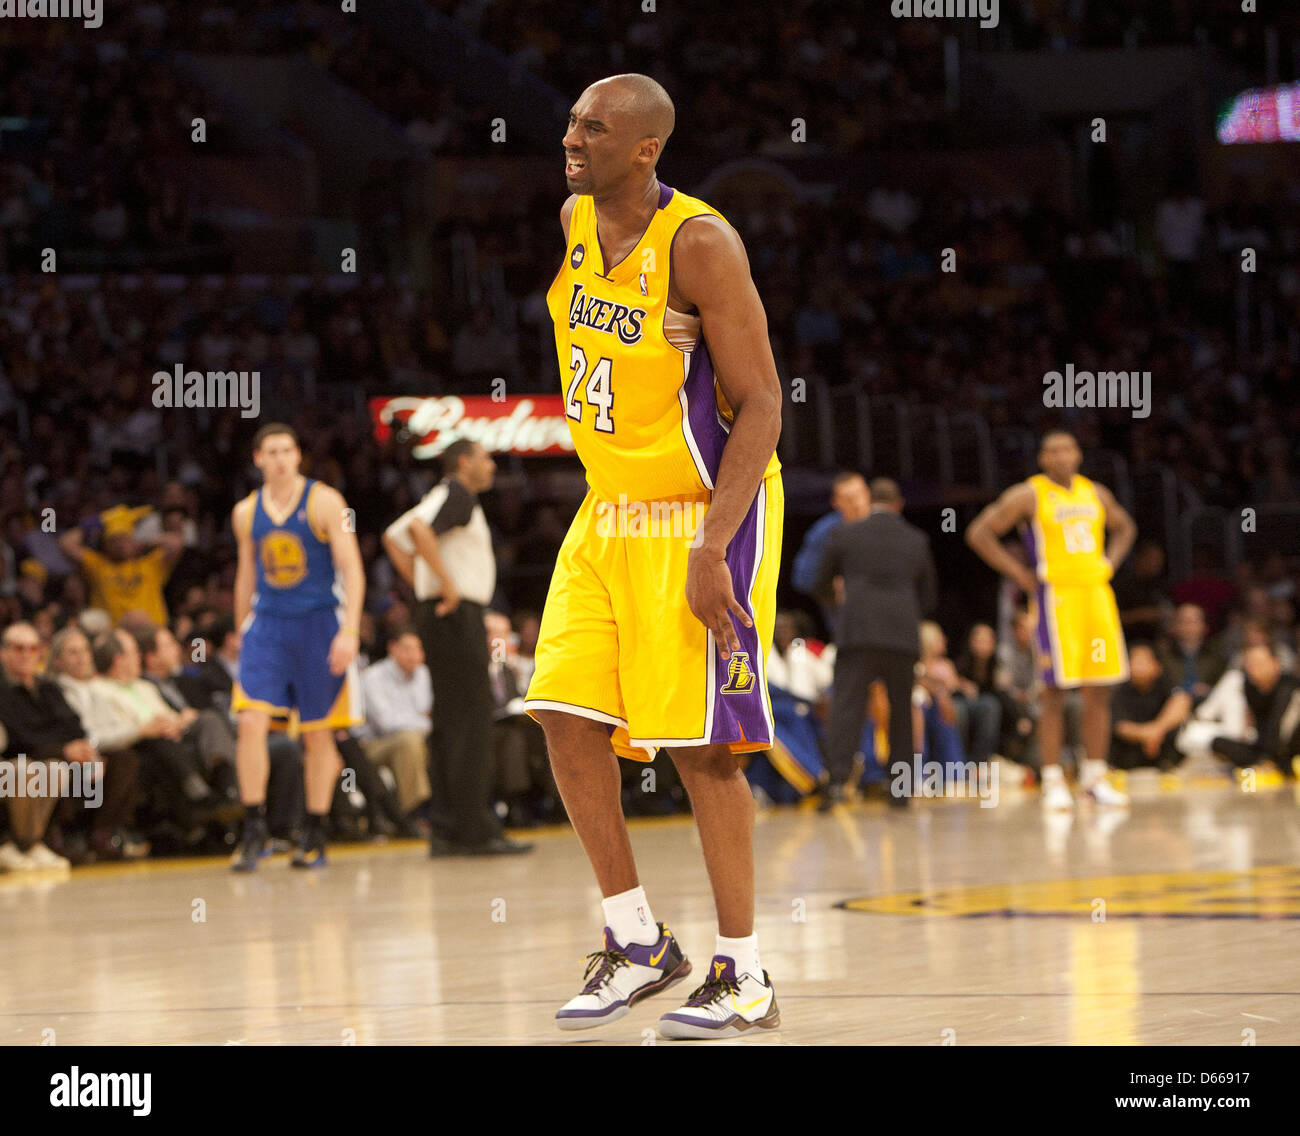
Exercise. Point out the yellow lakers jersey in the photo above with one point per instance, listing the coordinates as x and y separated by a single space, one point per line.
645 410
1066 537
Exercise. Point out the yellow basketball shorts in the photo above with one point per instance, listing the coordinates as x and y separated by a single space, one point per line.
1080 640
619 645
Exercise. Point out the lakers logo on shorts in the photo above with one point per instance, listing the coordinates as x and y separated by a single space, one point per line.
740 679
284 561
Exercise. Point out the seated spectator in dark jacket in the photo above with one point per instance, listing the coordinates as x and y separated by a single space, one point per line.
40 726
209 679
1273 703
1190 661
173 774
210 731
1146 713
979 706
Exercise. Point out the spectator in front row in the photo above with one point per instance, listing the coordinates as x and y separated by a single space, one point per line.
979 706
1190 662
523 772
171 763
937 684
1256 633
210 731
111 835
43 727
1020 683
1273 712
1146 713
399 716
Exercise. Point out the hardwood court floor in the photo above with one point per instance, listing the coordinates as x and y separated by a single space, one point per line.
984 922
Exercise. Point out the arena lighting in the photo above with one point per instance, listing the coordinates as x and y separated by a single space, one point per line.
1265 114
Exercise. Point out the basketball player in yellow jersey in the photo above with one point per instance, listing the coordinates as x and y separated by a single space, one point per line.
651 638
1065 520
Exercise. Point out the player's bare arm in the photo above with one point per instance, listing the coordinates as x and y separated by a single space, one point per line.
72 544
986 531
241 521
426 545
334 519
401 560
1121 529
172 545
710 272
566 211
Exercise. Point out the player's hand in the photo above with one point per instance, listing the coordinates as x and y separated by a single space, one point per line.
342 651
1027 581
711 599
450 601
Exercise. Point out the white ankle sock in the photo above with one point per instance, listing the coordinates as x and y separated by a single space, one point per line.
1052 773
1092 772
628 916
745 954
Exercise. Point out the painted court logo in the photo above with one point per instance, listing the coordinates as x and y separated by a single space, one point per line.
740 679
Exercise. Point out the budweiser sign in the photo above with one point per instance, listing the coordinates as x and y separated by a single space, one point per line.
523 424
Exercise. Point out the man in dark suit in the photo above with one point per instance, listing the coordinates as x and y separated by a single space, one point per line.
881 571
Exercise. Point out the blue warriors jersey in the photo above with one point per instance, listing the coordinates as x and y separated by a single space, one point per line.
295 568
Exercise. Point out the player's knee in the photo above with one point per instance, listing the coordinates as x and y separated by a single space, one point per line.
563 730
253 721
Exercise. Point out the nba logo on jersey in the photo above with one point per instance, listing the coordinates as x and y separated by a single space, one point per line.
644 290
578 253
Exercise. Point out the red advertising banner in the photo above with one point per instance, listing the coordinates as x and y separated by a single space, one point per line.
531 425
1267 114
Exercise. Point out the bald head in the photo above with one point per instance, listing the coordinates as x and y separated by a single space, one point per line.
644 104
617 130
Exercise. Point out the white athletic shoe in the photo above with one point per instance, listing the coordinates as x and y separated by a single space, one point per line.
726 1005
619 976
44 857
1057 795
1104 793
12 860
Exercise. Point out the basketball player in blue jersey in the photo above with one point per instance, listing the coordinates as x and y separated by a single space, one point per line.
652 640
299 588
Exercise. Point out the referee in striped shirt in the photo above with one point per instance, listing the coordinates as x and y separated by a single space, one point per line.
443 548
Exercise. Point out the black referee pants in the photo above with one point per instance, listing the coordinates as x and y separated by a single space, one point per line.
856 668
460 762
